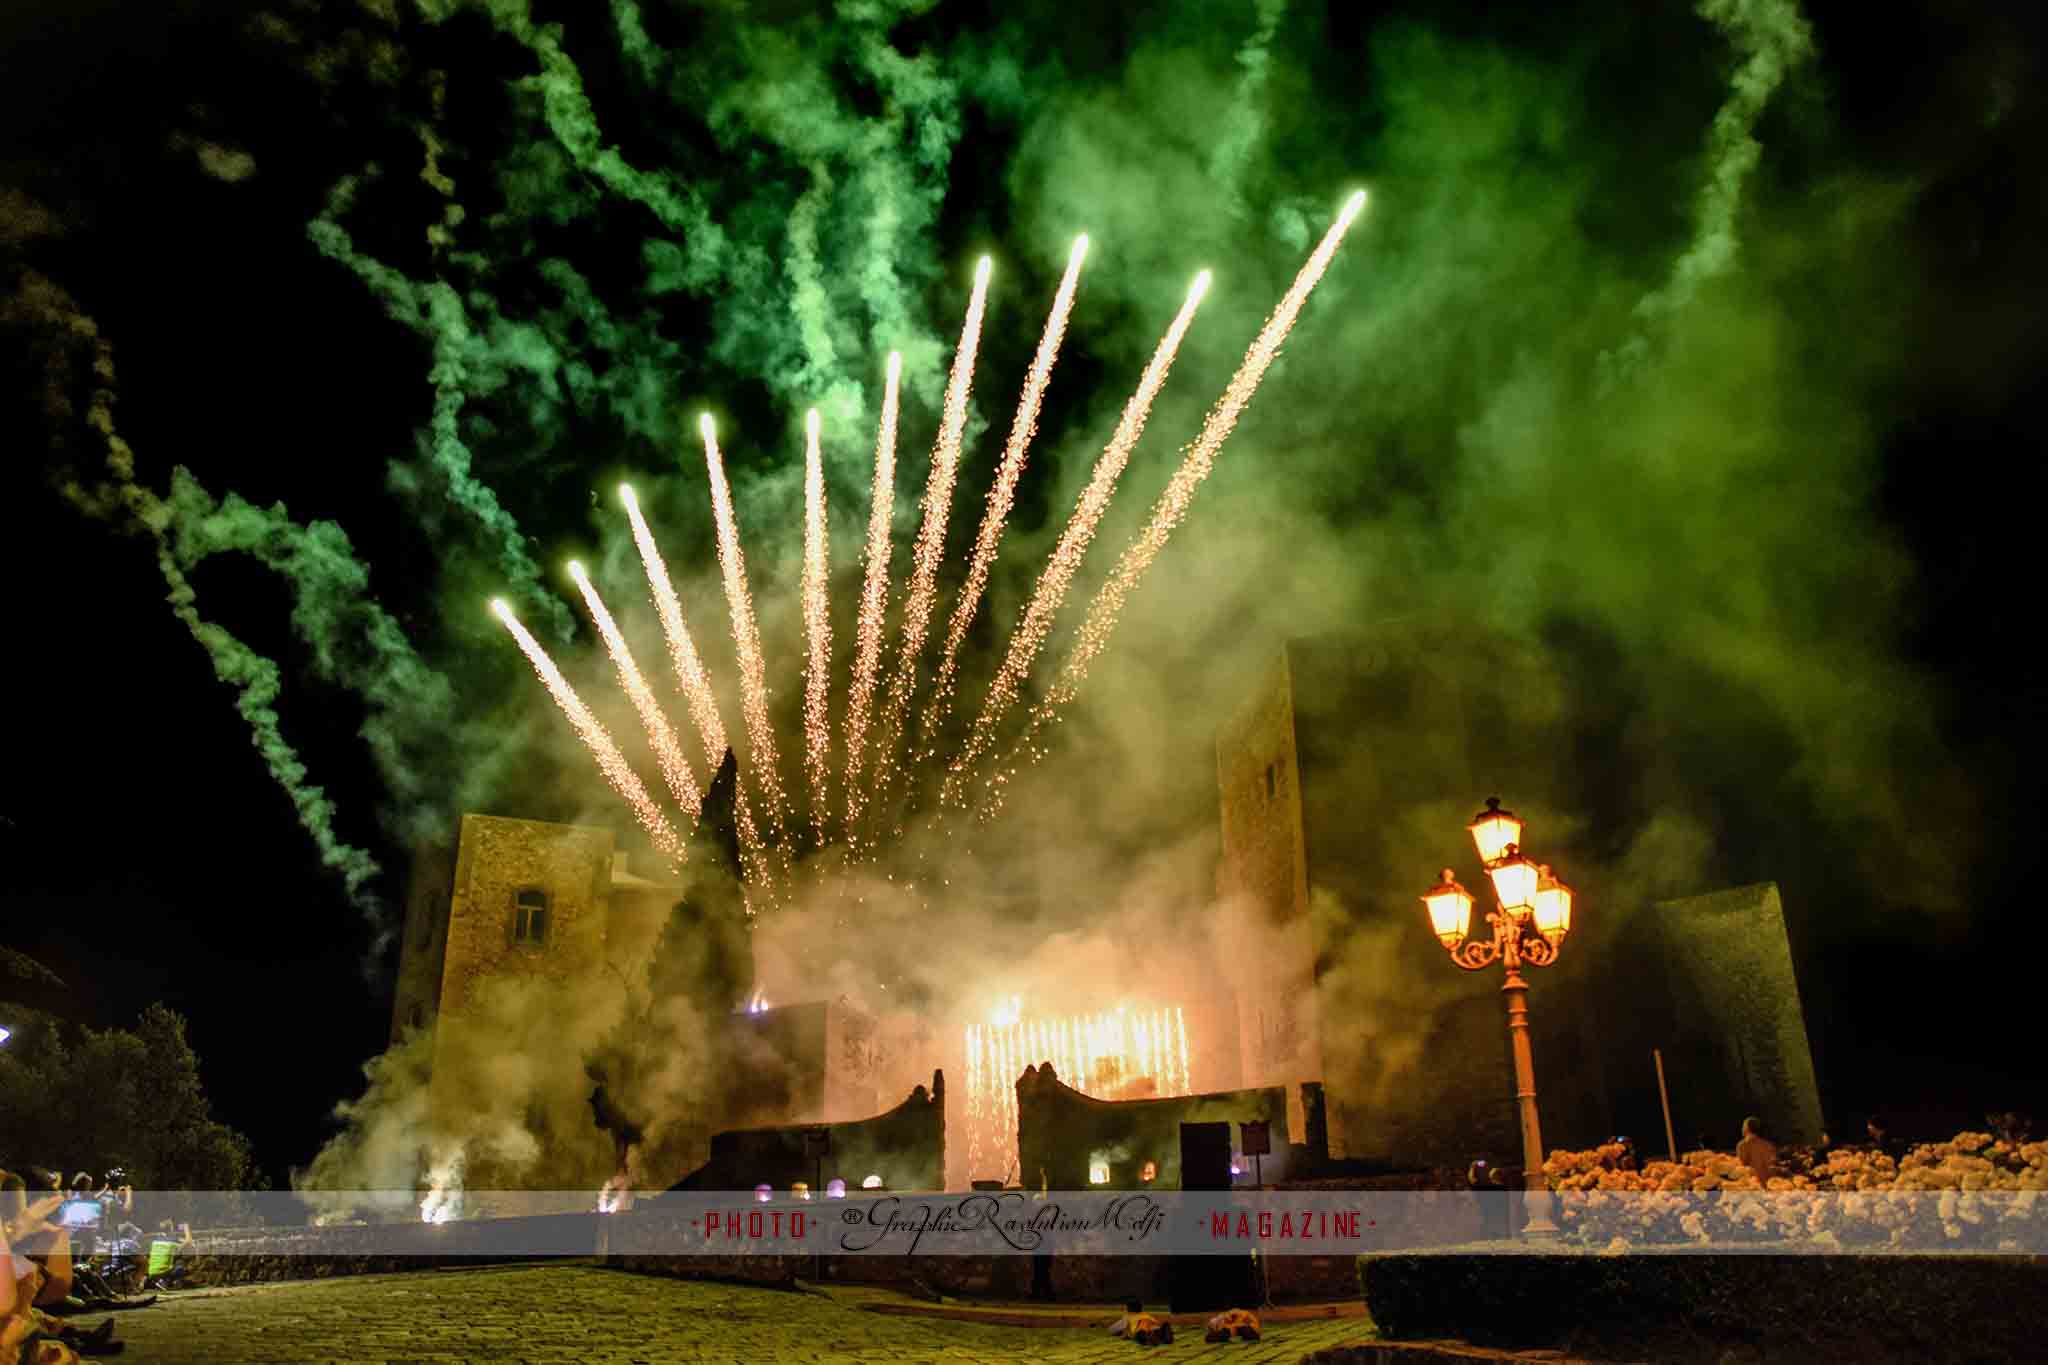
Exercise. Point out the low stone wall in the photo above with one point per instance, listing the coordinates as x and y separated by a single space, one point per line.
256 1255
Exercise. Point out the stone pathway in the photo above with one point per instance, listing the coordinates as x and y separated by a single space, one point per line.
556 1314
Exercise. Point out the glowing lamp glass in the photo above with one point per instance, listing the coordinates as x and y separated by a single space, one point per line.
763 1193
5 1033
1450 910
1514 881
1495 831
835 1189
873 1182
1098 1173
1553 913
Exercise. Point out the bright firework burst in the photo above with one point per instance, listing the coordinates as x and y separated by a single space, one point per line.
1173 504
817 624
874 595
746 636
668 751
1066 556
595 737
1002 493
931 536
1162 1042
1119 1054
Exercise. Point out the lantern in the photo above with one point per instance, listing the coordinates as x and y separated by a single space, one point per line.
1514 881
1553 913
1495 831
1450 910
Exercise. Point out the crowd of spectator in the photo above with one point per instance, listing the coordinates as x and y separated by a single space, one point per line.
70 1253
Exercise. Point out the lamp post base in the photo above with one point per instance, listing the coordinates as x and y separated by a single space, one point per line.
1536 1206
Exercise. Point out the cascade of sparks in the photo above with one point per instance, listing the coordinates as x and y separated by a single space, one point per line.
1002 493
610 761
817 624
746 636
661 737
1065 561
1090 1052
682 650
1118 1054
1173 504
690 675
931 536
874 595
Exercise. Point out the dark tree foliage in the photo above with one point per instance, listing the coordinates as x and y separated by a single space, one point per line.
96 1099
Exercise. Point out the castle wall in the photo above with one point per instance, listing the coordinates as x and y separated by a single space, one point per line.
497 859
1732 1030
905 1146
430 883
1062 1132
1263 873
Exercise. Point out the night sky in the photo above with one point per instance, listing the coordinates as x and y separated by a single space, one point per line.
181 150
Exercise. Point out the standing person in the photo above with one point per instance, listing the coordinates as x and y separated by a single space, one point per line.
1756 1151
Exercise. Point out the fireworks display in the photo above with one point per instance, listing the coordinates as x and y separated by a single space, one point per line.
746 636
931 536
1121 1054
1104 1059
668 751
874 594
1065 560
1002 493
610 761
682 650
1173 504
817 624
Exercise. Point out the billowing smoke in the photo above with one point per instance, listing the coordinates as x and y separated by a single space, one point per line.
1533 401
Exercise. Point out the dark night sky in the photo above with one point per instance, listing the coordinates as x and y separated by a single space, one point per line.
147 856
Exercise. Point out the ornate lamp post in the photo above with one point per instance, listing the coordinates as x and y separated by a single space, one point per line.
1534 915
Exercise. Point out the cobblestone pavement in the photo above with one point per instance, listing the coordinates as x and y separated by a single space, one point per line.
547 1315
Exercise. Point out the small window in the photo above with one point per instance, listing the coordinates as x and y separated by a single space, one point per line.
1272 780
530 916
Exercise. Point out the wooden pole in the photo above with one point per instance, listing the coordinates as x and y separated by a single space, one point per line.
1670 1138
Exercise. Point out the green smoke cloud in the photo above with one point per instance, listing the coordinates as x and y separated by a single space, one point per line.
185 529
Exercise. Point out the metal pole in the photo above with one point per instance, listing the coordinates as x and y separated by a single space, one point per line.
1670 1138
1536 1191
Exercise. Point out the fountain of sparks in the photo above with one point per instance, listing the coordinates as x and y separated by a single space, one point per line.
875 724
610 761
874 593
817 626
1173 504
1120 1054
1002 493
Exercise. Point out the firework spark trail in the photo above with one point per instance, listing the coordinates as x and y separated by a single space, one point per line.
1002 493
931 536
818 624
610 761
690 675
746 636
874 597
1173 504
1066 557
661 736
682 650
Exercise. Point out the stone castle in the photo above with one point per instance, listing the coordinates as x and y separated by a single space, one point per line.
1344 783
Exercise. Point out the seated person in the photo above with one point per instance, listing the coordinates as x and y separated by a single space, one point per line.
27 1335
1241 1322
1755 1150
1142 1327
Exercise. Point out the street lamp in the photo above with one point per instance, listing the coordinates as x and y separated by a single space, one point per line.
1533 916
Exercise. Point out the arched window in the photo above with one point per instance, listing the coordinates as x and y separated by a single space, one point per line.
530 916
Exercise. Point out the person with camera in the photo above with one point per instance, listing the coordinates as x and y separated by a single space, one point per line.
38 1271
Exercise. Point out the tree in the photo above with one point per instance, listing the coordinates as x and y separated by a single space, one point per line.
108 1098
